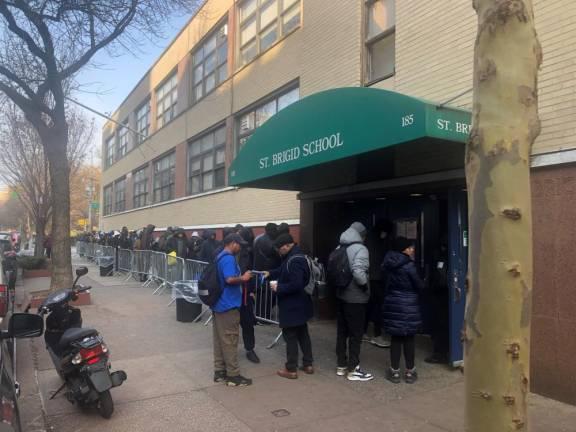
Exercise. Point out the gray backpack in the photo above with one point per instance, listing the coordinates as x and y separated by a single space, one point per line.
316 271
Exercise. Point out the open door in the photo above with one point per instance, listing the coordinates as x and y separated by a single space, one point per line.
458 267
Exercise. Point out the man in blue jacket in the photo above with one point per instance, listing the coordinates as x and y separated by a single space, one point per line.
226 312
294 305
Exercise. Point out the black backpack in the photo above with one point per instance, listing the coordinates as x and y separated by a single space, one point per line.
209 288
338 271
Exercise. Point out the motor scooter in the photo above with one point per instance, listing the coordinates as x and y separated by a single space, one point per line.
80 355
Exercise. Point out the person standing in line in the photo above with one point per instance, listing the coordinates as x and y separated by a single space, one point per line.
48 245
294 305
247 317
352 305
209 246
266 258
226 313
401 315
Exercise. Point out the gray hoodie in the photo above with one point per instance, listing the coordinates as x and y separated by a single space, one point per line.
359 260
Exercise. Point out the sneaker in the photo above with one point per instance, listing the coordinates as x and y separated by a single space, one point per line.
359 375
367 338
309 370
220 376
341 371
410 376
251 355
393 376
238 381
285 373
381 342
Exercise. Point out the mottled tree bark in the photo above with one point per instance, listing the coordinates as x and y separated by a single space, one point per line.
505 125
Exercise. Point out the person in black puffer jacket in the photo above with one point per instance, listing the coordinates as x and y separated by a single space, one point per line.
401 316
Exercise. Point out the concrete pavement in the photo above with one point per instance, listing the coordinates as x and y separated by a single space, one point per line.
169 386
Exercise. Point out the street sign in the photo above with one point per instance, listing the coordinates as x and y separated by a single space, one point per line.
95 205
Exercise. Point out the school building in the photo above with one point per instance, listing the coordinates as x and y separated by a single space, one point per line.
319 113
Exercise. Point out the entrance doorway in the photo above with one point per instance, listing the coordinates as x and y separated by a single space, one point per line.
435 219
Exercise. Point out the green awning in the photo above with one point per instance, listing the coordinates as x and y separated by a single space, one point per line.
339 124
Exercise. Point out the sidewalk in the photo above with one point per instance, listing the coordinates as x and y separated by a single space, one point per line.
169 386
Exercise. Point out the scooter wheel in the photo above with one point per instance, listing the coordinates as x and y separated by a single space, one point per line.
105 404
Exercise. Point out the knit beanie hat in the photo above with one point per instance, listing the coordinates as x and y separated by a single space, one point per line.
400 244
282 240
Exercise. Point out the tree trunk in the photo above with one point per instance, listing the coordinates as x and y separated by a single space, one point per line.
40 235
55 142
505 125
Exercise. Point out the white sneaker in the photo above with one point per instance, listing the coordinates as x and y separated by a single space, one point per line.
367 338
381 342
359 375
341 371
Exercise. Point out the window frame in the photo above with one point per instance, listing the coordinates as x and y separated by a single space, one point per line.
123 144
369 42
201 156
173 109
139 198
110 144
143 132
108 199
260 31
157 174
253 109
120 192
220 42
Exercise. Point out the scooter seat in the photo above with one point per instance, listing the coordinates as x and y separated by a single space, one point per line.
75 334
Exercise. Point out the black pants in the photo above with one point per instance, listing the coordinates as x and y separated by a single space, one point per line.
247 322
350 327
295 336
408 343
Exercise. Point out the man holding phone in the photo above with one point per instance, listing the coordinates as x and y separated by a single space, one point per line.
226 312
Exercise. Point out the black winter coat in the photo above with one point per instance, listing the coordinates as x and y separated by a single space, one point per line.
401 307
294 305
265 256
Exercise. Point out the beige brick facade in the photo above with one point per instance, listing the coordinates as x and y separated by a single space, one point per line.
434 61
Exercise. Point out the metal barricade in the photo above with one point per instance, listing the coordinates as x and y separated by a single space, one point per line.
174 269
192 272
141 264
266 304
125 262
159 271
81 248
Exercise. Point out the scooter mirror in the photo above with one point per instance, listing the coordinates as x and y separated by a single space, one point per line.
81 271
25 325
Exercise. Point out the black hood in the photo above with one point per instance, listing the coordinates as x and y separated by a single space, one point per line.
150 228
394 260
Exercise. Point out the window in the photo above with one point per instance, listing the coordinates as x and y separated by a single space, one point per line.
120 195
249 121
263 23
380 39
164 174
143 122
123 135
108 200
141 187
110 150
210 63
166 101
206 162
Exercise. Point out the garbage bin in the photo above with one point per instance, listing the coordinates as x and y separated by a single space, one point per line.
106 264
188 305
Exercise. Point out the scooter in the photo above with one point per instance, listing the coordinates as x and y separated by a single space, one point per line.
80 355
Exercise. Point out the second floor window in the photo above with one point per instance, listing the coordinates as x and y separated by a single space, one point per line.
120 195
164 178
380 39
167 101
140 187
206 162
249 121
110 152
107 200
122 141
263 22
143 122
210 62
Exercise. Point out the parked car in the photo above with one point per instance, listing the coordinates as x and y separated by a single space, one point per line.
13 326
5 242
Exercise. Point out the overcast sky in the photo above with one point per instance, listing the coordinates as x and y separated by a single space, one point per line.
106 86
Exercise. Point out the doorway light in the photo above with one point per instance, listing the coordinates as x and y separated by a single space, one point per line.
381 199
350 202
416 195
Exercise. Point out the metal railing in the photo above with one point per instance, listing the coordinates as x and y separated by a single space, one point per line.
165 271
